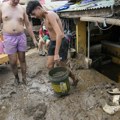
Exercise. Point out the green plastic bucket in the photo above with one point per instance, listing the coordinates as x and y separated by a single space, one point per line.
59 78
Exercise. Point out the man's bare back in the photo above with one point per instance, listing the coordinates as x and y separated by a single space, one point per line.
50 27
12 18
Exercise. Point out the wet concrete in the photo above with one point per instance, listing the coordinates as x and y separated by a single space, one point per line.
36 101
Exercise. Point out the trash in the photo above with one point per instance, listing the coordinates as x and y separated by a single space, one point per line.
111 109
116 99
36 110
114 92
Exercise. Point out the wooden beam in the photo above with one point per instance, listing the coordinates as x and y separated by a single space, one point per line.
101 20
81 37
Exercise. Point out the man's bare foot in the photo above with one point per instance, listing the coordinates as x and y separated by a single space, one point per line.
75 82
24 81
16 81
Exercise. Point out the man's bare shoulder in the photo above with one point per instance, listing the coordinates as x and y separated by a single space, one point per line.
4 4
52 15
22 8
1 5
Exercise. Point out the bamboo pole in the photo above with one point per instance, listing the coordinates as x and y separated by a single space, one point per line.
111 21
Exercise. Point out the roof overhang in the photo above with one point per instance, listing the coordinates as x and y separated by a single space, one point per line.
102 12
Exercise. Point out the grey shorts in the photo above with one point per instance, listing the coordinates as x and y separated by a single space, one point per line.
63 49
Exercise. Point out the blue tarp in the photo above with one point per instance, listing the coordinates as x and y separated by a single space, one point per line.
87 1
64 7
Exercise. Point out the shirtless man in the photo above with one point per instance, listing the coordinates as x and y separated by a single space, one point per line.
58 48
14 18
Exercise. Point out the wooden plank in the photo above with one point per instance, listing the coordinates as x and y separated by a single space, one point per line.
3 58
101 20
81 37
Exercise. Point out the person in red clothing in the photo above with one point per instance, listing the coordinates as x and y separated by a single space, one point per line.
44 40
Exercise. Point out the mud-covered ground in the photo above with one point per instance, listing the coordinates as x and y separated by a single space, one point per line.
36 101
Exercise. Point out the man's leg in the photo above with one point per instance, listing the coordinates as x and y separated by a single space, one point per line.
47 44
75 81
40 46
63 55
50 62
13 63
71 75
21 56
50 58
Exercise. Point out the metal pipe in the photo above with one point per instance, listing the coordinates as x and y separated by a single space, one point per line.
111 21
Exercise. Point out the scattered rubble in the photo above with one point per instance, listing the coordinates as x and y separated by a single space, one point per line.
37 111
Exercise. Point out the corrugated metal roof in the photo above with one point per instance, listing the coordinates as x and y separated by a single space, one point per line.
91 5
53 5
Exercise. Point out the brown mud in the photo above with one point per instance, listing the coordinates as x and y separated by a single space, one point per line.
36 101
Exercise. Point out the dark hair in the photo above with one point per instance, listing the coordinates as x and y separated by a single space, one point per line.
32 5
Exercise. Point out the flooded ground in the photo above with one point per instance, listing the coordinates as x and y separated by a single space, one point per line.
36 101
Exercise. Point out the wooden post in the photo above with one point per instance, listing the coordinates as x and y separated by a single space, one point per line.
81 37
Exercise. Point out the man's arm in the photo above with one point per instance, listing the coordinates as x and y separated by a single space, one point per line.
29 28
59 34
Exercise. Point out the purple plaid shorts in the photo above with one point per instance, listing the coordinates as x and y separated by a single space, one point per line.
14 43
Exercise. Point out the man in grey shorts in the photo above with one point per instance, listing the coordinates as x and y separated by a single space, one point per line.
14 18
58 48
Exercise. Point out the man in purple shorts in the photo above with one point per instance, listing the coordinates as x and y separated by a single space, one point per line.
14 18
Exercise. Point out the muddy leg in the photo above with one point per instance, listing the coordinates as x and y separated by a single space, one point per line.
71 75
13 63
50 62
40 46
21 56
75 81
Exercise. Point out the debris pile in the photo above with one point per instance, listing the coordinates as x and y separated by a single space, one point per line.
112 109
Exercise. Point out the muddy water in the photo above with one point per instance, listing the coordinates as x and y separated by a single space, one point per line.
57 74
36 101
